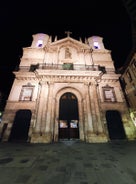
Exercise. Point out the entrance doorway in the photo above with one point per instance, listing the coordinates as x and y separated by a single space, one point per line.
20 128
68 117
115 125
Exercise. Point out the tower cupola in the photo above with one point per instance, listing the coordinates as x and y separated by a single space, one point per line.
40 40
96 42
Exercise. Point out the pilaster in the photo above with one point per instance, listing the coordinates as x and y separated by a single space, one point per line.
99 134
88 113
48 128
37 135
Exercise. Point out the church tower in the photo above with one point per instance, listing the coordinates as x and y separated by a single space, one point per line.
63 90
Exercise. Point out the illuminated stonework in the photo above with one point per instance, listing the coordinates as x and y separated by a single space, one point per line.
66 89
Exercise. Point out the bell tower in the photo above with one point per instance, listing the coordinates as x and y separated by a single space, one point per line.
96 42
39 40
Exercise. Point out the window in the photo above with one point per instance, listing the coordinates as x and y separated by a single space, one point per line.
96 45
0 116
39 43
134 63
74 124
26 93
123 82
63 124
109 94
134 89
129 76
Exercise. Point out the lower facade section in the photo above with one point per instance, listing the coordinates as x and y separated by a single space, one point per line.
68 113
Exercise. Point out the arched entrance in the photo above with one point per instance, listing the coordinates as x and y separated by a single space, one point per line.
115 125
20 128
68 117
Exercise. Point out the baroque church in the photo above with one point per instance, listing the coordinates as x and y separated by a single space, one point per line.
66 89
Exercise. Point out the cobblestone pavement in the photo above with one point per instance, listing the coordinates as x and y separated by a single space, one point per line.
70 162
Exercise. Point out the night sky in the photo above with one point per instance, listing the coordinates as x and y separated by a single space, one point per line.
84 18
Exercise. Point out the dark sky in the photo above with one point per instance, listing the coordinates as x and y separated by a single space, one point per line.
20 19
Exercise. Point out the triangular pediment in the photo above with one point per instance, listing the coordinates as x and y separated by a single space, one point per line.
68 41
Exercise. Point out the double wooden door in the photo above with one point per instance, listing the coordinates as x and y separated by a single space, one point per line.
68 117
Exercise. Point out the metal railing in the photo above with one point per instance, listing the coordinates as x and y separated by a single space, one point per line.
65 66
59 67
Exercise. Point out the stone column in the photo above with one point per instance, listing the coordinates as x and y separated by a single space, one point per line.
44 107
89 113
99 135
58 51
53 120
41 107
48 133
85 118
97 108
93 108
39 110
56 119
81 121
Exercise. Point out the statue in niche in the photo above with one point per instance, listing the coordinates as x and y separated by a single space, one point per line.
67 54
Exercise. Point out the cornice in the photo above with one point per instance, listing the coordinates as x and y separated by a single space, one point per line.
66 79
25 75
66 76
67 73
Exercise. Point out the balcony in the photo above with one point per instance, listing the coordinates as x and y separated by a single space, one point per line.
65 66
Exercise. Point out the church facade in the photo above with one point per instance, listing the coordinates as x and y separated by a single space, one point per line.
63 90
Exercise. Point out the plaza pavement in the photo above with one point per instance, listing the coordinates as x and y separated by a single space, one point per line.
69 162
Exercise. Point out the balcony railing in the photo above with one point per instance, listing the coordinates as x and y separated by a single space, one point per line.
65 66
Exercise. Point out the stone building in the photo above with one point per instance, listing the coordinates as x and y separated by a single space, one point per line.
128 82
66 89
128 71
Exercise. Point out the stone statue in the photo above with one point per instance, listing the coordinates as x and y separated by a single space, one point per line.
67 54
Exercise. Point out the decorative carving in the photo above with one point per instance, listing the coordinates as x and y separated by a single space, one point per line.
67 54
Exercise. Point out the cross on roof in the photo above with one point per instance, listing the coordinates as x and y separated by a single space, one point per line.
68 33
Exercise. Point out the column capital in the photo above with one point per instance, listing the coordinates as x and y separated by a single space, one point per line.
87 83
41 83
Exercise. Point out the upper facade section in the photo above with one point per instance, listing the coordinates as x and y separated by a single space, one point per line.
40 40
45 52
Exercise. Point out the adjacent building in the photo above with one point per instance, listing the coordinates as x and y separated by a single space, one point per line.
128 81
128 71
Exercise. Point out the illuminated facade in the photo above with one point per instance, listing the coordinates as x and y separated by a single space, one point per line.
63 90
128 80
128 71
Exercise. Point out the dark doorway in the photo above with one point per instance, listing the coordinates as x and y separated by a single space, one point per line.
20 128
68 117
115 125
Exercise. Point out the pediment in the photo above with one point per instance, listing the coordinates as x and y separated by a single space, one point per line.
69 42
